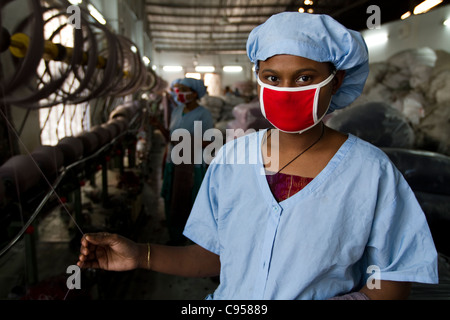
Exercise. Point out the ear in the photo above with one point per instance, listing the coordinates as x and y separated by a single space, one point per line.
338 80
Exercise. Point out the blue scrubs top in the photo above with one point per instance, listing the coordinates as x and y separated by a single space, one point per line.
358 215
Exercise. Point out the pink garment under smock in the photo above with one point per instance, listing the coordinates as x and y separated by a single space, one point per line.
284 186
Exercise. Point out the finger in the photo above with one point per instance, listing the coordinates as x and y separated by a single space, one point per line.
101 238
87 261
88 264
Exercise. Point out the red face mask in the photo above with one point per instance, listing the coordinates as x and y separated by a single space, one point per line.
292 109
183 97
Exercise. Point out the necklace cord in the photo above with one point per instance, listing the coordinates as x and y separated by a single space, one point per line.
297 156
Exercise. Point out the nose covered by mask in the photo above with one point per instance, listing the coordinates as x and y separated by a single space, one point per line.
183 96
292 109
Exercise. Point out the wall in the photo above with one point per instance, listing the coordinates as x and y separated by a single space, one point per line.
127 18
416 31
189 60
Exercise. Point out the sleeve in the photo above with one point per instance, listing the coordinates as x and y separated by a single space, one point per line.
201 226
400 244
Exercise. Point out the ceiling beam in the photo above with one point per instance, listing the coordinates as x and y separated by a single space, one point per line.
349 7
211 6
158 42
200 32
208 37
215 50
217 16
197 24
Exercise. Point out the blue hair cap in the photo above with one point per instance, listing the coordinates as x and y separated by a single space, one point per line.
196 85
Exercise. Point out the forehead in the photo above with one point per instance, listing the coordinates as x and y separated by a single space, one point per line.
285 62
182 87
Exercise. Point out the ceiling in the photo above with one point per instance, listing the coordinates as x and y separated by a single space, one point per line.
222 26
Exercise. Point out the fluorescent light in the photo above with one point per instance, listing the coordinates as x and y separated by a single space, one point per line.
447 23
232 69
173 68
146 60
194 75
96 14
205 68
376 39
425 6
405 15
75 2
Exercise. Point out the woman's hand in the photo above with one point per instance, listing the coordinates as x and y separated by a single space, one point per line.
110 252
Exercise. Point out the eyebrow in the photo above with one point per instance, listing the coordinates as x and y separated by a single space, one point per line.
296 72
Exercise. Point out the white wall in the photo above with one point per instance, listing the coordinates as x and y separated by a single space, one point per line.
189 60
425 30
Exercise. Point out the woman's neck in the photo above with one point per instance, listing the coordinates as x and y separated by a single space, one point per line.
296 141
190 106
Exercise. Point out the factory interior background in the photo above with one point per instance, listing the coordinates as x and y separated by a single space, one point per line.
80 79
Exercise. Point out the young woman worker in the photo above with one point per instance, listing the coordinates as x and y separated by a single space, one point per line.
181 181
333 211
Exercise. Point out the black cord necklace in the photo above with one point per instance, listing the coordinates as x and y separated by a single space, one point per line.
296 157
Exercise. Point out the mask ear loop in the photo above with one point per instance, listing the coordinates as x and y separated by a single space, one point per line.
261 100
316 98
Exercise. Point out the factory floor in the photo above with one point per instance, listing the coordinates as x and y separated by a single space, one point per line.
57 248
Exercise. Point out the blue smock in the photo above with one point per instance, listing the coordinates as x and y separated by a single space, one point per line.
359 212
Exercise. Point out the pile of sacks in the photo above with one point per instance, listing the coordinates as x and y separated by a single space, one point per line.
416 83
221 108
248 116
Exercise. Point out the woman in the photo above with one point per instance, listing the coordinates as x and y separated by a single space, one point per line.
181 181
334 219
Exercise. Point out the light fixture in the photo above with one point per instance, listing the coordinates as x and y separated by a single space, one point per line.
232 69
96 14
134 49
310 10
405 15
194 75
301 10
425 6
446 23
308 2
146 60
173 68
205 68
75 2
376 39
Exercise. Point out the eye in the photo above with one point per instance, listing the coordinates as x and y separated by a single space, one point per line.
272 79
304 79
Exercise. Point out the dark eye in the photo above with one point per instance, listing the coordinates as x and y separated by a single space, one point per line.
272 79
303 79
